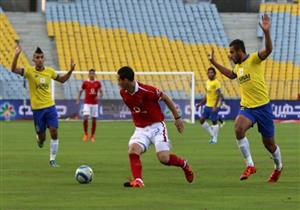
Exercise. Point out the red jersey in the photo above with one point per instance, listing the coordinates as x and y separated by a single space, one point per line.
91 91
143 104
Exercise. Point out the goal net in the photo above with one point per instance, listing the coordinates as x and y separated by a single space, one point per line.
180 86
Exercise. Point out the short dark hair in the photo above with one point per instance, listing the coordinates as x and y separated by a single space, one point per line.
238 45
212 69
126 72
92 70
38 50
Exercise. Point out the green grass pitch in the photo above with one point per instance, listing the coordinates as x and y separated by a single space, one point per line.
28 183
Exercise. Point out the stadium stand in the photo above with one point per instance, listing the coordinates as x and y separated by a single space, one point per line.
154 35
283 69
11 85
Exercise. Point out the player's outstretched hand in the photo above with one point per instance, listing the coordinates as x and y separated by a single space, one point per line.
72 65
265 23
212 56
18 50
179 125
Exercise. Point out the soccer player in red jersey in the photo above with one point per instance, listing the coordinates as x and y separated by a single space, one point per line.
90 108
143 102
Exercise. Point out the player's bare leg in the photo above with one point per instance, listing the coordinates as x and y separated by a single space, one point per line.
94 124
242 124
53 146
274 149
134 152
41 138
85 127
172 160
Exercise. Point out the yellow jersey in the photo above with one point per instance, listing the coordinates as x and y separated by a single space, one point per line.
250 75
211 92
40 86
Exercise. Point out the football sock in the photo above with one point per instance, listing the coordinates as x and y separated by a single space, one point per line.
207 127
176 161
53 148
277 158
94 123
243 144
135 165
215 129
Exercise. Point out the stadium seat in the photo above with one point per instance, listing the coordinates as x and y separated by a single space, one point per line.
285 59
152 36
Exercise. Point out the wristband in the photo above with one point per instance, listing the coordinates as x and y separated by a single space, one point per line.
177 118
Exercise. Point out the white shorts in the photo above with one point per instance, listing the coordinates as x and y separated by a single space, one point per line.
155 134
91 110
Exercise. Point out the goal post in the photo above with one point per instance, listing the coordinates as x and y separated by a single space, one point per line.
180 86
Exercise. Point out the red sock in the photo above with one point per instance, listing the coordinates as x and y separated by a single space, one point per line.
93 126
135 165
175 161
85 126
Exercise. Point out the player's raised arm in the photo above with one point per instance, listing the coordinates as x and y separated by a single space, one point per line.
171 105
64 78
265 25
14 67
228 73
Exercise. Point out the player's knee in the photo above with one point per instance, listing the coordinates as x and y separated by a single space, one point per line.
214 122
135 149
239 132
202 120
53 133
163 158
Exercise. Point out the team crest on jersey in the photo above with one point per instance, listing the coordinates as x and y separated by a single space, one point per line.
137 109
241 71
42 84
92 91
42 80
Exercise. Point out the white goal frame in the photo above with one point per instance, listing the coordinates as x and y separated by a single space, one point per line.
192 74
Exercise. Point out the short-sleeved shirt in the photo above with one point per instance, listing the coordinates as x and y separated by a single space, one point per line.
250 75
40 86
212 88
143 104
91 91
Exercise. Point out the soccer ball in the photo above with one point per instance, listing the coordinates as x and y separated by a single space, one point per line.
84 174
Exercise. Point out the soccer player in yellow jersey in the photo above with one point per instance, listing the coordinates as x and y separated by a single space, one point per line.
255 102
43 106
212 101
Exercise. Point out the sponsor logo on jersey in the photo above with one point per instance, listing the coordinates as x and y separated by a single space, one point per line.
244 78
